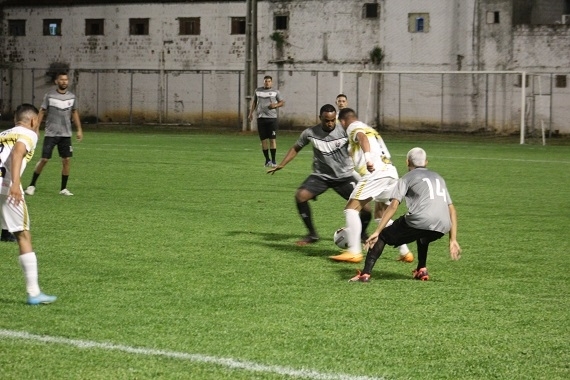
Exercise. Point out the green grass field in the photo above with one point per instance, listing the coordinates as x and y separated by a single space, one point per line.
175 259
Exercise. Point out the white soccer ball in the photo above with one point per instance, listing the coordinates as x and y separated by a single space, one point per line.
341 238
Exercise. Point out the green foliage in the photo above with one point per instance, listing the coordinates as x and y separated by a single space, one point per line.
181 242
376 55
278 38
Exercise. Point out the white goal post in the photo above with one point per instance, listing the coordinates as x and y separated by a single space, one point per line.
451 101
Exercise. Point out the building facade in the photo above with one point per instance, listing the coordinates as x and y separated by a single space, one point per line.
183 61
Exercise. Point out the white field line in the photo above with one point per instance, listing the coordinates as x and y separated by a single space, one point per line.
198 358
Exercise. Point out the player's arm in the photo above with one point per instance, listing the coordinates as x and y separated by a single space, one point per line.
365 146
454 248
280 103
386 216
252 107
18 153
77 122
291 154
41 115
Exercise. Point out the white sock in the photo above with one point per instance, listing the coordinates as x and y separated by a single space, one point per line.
354 230
404 247
29 264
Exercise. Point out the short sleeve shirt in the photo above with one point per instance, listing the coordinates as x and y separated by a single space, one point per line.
59 107
8 140
264 97
330 153
427 200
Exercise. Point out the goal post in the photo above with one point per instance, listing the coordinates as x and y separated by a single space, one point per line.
492 102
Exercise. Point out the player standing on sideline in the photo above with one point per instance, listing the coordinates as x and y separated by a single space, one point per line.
341 102
266 100
378 177
332 168
16 150
430 215
60 106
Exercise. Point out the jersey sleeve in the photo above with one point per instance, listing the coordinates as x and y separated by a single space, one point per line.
45 102
304 139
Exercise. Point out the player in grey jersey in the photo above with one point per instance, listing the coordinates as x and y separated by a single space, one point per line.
430 215
332 168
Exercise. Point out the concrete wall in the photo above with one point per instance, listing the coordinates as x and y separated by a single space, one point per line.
167 77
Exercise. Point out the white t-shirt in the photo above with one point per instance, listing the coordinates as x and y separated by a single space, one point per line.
8 140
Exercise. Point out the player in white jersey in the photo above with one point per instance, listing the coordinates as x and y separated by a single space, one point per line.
372 162
16 150
430 215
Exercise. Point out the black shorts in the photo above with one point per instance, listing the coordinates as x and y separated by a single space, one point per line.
63 146
401 233
267 128
317 185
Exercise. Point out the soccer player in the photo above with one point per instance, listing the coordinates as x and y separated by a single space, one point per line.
430 215
372 162
16 150
266 100
60 105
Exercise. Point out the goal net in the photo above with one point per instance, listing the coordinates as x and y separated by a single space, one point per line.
491 102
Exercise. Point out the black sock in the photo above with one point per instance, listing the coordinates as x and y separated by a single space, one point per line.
422 253
373 255
305 214
365 218
266 154
273 153
34 179
64 179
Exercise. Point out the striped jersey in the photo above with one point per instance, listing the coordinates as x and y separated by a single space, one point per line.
8 139
378 151
427 200
264 97
59 107
330 154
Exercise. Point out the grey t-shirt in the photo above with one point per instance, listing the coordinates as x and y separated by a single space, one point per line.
264 97
427 200
330 151
59 107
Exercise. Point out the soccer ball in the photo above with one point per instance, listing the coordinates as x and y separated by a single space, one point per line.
341 238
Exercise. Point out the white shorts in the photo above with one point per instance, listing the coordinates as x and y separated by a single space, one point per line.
15 218
379 189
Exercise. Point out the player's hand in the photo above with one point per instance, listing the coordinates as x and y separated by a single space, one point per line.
372 239
79 136
273 170
370 166
15 195
454 250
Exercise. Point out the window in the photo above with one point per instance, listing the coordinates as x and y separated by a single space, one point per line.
238 25
493 18
370 10
16 27
52 27
519 80
94 27
138 26
190 26
560 81
418 22
281 22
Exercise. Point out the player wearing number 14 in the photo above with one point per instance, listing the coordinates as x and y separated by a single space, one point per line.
430 215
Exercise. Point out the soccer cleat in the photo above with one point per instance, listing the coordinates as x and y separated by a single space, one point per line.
268 164
421 274
66 192
30 190
8 236
407 258
309 239
360 277
41 299
347 256
273 164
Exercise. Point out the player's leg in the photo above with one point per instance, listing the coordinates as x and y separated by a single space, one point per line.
273 141
264 138
344 188
47 149
16 219
65 152
309 189
422 243
405 254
